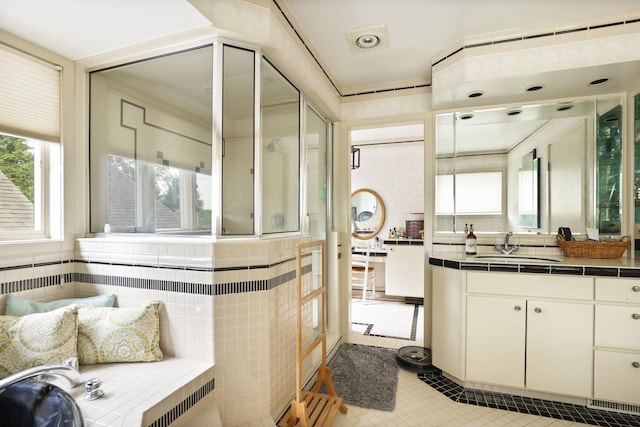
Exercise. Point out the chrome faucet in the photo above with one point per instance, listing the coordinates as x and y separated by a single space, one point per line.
505 248
67 371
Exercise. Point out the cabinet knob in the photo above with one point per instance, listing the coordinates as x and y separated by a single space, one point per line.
636 364
517 308
538 310
636 316
636 288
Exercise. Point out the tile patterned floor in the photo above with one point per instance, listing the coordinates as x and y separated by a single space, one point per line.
399 327
419 405
388 320
526 405
444 403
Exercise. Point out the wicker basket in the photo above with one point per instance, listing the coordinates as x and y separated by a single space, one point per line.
584 249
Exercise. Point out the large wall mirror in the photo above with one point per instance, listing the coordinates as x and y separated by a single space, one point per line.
531 168
367 214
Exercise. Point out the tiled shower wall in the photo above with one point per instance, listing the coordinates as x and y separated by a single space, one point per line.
255 327
230 302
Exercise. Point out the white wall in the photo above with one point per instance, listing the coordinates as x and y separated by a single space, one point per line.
396 172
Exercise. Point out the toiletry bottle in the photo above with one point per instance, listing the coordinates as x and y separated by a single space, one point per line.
466 229
471 243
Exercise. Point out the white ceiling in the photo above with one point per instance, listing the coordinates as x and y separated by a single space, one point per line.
416 30
419 29
79 29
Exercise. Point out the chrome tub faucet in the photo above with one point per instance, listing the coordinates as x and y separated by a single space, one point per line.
67 371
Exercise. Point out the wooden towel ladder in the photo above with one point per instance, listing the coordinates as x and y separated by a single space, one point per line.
312 408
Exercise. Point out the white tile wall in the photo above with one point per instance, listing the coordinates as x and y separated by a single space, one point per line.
529 245
255 331
249 334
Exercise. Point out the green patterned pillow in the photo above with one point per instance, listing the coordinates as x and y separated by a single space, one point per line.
37 339
125 334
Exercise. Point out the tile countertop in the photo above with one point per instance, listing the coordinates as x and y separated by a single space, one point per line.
618 267
403 241
372 252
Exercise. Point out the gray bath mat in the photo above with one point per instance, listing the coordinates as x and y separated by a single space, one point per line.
365 376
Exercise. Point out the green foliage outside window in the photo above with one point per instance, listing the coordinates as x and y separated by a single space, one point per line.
16 162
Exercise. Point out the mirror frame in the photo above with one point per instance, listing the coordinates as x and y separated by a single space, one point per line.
382 214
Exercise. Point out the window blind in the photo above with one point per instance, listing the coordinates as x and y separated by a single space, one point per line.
477 193
30 96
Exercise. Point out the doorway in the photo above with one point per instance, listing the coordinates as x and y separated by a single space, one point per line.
389 161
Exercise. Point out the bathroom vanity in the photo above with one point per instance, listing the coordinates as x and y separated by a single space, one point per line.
569 329
404 269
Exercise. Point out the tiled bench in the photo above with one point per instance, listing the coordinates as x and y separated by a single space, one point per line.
143 394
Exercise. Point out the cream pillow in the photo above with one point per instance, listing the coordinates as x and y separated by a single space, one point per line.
37 339
124 334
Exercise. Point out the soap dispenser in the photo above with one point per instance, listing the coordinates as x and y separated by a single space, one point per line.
471 243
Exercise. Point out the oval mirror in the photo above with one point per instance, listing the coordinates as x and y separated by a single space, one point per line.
367 214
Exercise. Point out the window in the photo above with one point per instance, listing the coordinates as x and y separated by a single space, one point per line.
150 145
19 212
477 193
30 182
175 191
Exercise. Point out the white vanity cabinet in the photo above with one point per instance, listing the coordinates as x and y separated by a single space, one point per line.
526 334
560 347
448 320
496 340
404 270
617 340
528 331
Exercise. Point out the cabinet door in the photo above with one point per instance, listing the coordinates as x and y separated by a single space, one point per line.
618 326
404 271
448 339
617 377
618 290
560 347
496 340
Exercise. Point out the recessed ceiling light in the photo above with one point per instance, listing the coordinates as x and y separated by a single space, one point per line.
465 116
364 39
534 88
514 112
599 81
367 41
475 94
564 107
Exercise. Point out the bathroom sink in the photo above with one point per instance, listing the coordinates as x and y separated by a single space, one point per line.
39 404
516 258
